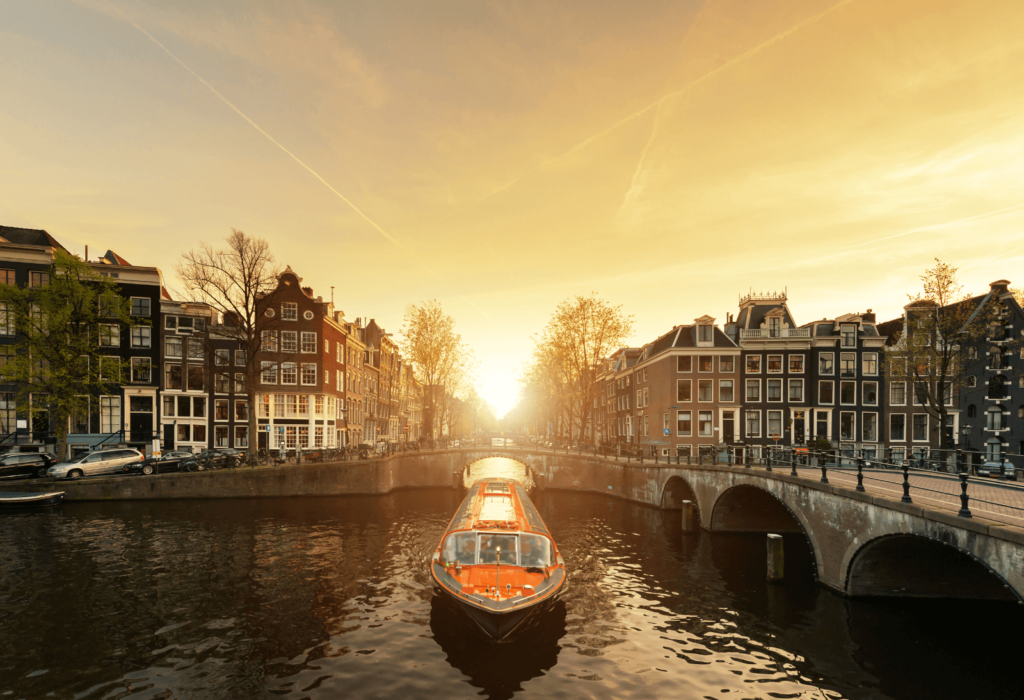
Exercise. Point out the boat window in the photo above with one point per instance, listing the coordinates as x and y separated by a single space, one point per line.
536 551
497 488
460 547
489 549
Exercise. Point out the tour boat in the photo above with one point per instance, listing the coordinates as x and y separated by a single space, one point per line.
13 500
497 559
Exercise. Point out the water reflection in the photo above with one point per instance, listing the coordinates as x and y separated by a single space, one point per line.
325 597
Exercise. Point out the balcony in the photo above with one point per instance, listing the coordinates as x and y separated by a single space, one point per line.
769 333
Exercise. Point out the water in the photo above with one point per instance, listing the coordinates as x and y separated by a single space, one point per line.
321 598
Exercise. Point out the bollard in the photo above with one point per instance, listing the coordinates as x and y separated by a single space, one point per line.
690 522
906 483
824 470
792 464
776 570
860 473
768 460
746 458
688 455
965 512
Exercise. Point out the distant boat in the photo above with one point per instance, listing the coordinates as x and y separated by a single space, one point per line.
10 500
497 559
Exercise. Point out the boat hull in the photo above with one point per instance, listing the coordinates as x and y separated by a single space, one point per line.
24 501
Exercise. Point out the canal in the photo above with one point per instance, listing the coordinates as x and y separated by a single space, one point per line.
330 597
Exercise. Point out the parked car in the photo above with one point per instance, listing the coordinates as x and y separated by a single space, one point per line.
92 463
170 461
993 469
24 465
217 458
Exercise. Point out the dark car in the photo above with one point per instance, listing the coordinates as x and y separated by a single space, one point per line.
171 461
24 465
219 458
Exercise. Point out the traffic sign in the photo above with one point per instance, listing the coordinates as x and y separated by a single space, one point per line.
667 431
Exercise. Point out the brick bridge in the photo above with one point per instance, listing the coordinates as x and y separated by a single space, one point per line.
864 543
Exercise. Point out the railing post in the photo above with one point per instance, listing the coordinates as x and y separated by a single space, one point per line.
965 512
689 457
792 463
824 469
732 454
746 458
906 483
768 461
860 474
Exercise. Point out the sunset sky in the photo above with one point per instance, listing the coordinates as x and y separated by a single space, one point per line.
502 157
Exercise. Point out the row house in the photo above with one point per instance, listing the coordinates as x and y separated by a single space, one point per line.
618 384
355 400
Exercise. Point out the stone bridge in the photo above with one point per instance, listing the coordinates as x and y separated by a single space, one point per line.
864 543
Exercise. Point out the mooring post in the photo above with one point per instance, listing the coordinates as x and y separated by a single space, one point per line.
690 523
860 474
776 570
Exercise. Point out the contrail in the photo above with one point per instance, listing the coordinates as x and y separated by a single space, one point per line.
935 226
294 157
676 93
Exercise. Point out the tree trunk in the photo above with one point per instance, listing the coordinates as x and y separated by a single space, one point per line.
254 423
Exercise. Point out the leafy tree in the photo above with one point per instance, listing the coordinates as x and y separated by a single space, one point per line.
946 334
58 360
239 282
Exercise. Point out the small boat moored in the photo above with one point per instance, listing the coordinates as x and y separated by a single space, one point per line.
12 500
497 560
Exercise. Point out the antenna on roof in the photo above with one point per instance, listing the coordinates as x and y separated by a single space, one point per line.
332 295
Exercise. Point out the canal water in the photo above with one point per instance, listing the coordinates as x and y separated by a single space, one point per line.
330 597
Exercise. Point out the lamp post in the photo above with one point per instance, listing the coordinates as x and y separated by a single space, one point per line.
965 434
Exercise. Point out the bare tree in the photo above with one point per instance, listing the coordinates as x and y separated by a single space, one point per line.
238 281
582 331
946 334
443 364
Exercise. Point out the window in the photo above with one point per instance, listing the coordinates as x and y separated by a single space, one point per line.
142 369
289 341
821 419
242 435
239 358
221 383
140 306
308 342
848 364
289 311
173 377
753 364
775 327
308 374
264 406
195 349
753 424
39 279
870 393
327 346
684 426
221 357
971 381
753 390
110 336
110 368
920 427
869 363
847 425
705 363
796 390
142 337
725 394
704 423
107 307
268 341
6 321
995 419
220 409
289 373
825 393
774 389
268 374
897 427
898 393
196 378
705 334
684 363
241 410
774 423
110 414
239 383
706 390
848 393
826 362
172 347
683 392
774 364
796 364
726 364
849 336
647 426
220 436
7 277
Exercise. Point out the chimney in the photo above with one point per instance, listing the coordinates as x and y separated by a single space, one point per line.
1000 286
308 291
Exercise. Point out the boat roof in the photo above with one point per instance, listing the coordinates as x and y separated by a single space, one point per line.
498 501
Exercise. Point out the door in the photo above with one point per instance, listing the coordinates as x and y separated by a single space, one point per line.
168 437
799 427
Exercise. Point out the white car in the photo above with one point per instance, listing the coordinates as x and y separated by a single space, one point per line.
91 463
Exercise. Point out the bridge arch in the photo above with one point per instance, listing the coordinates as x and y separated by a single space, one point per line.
677 489
919 566
748 508
467 468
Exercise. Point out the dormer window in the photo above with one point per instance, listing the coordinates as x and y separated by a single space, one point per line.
706 334
774 327
849 334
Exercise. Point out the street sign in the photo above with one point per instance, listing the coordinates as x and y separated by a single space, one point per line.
667 431
406 428
268 428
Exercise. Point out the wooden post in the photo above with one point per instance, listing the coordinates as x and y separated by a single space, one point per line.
776 572
690 523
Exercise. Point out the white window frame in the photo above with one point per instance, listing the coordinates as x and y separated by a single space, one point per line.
721 364
307 374
746 423
767 390
289 369
268 372
289 311
768 361
831 356
802 363
710 421
927 427
831 383
142 336
746 364
689 390
864 393
864 426
706 383
905 430
847 382
746 395
731 388
789 390
864 359
289 339
149 304
307 342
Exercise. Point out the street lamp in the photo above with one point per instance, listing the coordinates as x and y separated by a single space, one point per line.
965 433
